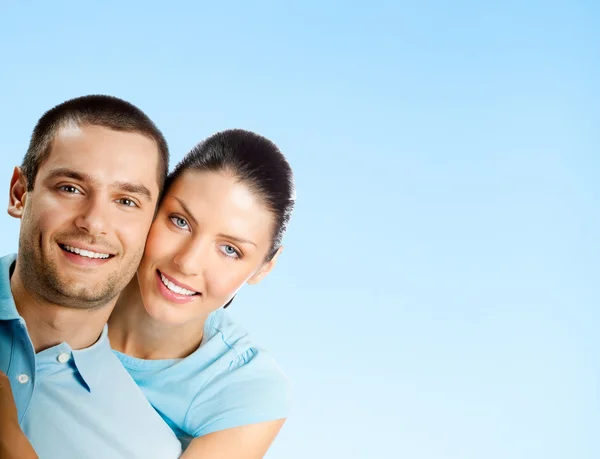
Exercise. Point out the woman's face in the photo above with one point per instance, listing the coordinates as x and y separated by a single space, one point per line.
210 236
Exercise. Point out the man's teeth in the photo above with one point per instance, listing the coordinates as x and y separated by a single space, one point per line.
175 288
85 253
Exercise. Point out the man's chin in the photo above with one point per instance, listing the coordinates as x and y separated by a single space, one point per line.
83 297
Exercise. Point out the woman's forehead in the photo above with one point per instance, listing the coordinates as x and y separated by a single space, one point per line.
220 198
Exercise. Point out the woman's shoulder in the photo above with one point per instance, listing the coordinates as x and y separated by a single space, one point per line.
229 349
221 327
245 386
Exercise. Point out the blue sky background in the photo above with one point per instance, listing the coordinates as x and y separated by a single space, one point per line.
438 295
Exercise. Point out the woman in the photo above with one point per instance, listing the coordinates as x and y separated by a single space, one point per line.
220 225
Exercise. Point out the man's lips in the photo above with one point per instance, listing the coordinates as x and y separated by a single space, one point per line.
86 251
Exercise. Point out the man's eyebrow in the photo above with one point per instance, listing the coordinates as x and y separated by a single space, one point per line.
134 188
68 173
128 187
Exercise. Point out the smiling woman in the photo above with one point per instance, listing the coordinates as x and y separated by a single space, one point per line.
219 226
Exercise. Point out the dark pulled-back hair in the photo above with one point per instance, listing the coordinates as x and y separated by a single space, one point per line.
255 161
96 110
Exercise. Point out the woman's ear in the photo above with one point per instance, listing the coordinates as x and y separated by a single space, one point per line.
265 268
17 193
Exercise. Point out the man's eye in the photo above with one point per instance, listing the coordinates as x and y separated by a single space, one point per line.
127 202
69 189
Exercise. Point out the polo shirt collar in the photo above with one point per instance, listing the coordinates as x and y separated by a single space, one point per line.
89 361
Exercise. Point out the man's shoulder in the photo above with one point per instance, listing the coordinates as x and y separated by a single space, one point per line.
6 263
7 304
9 257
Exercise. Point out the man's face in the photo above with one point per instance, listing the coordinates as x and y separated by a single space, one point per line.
84 224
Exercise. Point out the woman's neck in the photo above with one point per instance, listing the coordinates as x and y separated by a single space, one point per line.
134 332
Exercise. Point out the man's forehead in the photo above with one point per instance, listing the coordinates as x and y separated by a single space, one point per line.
72 130
104 155
68 128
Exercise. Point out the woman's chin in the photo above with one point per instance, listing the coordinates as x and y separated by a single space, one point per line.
174 314
164 313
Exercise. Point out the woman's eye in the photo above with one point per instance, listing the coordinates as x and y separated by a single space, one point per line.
230 251
179 222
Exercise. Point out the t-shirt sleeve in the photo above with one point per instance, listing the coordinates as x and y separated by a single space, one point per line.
251 389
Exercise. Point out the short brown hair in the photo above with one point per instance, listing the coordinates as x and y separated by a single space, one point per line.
96 110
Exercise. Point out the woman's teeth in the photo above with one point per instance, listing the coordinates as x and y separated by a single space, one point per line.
175 288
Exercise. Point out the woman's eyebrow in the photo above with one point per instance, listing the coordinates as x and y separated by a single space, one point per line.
236 239
225 236
186 210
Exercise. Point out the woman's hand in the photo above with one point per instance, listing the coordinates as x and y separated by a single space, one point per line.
13 442
8 408
246 442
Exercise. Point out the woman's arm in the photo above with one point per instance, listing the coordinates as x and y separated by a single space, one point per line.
14 445
13 442
245 442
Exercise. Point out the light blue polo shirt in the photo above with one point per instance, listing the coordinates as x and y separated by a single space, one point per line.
227 382
76 404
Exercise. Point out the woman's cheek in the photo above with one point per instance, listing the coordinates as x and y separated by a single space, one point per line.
158 241
232 281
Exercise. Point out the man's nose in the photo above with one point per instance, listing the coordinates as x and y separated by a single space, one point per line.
94 216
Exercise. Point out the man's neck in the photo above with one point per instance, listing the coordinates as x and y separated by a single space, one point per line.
50 324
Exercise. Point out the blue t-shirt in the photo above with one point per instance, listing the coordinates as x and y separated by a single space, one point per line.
75 404
227 382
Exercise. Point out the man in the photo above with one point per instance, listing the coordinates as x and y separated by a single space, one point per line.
86 194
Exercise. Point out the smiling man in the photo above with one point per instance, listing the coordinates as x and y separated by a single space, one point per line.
86 194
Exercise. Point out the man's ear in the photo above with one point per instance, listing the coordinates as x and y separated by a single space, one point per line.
265 269
18 193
